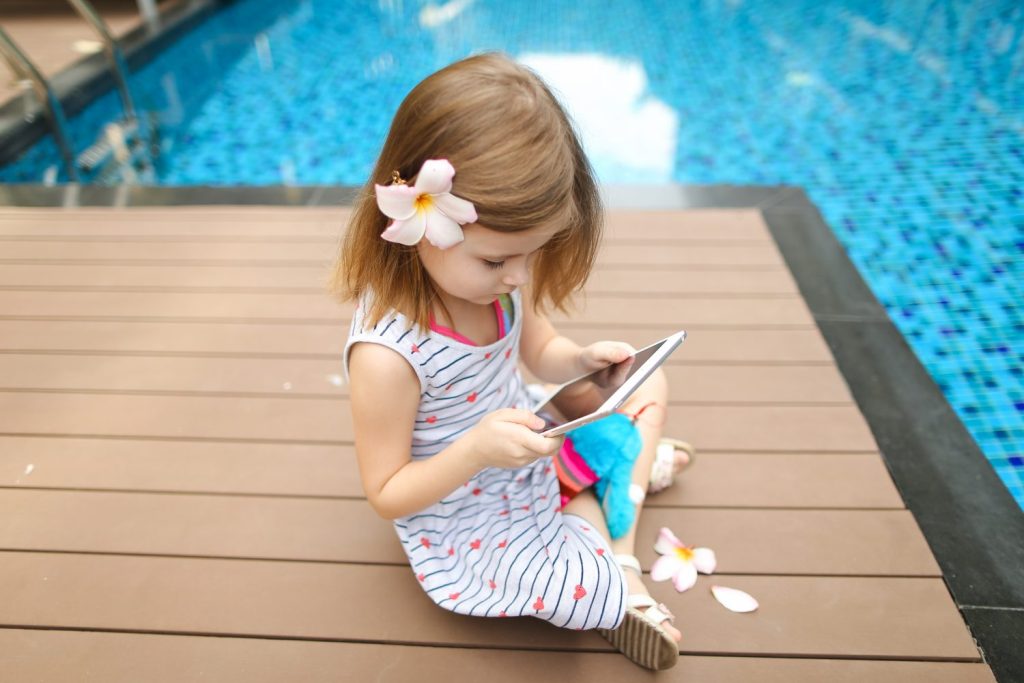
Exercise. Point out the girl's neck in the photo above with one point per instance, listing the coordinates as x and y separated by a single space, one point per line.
469 322
455 310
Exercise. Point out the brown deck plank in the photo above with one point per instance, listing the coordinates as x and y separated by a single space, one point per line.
720 427
617 310
298 281
874 617
832 542
296 252
687 383
734 345
247 223
47 656
841 480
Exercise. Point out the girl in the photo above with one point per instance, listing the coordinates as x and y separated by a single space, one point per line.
482 210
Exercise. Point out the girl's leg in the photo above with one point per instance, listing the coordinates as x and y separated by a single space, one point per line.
585 504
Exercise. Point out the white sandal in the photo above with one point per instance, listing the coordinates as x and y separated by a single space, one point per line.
662 470
640 637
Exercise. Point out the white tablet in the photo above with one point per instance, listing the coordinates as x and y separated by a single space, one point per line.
615 383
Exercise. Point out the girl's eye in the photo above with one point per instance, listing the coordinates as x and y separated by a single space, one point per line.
494 264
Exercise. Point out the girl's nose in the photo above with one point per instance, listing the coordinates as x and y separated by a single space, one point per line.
518 276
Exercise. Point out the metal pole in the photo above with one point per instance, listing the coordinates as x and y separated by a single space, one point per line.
25 69
114 54
147 8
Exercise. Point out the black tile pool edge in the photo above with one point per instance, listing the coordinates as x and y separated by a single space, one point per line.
972 524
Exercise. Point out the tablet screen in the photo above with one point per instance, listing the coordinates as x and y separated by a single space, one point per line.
608 380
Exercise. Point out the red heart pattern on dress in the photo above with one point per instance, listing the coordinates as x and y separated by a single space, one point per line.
600 551
425 542
539 605
475 545
502 544
415 349
476 492
492 584
508 353
502 614
432 419
451 551
487 355
471 397
580 592
421 577
454 596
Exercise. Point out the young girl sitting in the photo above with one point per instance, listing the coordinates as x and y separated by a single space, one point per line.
481 212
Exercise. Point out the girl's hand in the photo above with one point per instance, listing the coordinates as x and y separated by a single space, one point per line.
616 356
507 438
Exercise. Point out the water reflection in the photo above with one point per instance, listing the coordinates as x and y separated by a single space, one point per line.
629 135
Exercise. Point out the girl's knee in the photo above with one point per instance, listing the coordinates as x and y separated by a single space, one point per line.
654 389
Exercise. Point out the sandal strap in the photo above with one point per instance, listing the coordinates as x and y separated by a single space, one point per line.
656 611
662 467
658 614
629 561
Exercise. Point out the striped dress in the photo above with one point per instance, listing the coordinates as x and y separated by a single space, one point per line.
499 545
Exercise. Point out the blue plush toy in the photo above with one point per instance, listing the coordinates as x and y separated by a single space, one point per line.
609 447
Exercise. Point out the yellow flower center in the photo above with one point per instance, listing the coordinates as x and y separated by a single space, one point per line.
424 202
685 554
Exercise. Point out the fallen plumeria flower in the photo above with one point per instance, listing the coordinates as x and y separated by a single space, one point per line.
680 562
733 599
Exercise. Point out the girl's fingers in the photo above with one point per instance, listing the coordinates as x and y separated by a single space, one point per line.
543 445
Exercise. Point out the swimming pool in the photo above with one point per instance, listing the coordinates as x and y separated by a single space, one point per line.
903 120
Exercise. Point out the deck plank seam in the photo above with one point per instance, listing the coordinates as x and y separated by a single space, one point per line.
472 646
651 503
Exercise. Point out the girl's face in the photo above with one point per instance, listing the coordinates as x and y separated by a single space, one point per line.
485 264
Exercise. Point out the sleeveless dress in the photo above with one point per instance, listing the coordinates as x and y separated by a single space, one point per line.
499 545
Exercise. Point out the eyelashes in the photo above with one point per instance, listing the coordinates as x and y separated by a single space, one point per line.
494 265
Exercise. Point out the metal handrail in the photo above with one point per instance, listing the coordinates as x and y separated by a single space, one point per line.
26 70
114 53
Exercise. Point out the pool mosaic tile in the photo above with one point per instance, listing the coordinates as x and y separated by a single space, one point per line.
902 119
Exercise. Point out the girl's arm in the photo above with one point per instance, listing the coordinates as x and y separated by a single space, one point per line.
557 359
548 355
385 394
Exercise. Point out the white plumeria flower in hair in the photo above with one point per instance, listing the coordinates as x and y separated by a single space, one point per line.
427 208
680 562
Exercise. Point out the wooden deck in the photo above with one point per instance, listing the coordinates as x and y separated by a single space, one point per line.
179 497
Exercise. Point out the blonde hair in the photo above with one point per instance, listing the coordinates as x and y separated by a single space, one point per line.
517 158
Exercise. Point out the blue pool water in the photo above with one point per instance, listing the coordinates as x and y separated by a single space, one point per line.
903 120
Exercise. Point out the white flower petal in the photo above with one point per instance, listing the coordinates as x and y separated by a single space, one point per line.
396 201
442 231
733 599
407 232
665 567
686 577
435 177
704 560
456 208
667 542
